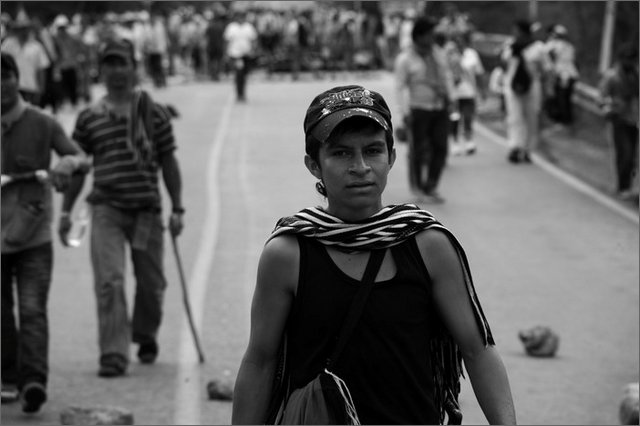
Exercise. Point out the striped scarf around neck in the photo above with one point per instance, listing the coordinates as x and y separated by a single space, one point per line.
391 226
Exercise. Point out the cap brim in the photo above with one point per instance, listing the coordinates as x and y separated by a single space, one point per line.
116 54
323 130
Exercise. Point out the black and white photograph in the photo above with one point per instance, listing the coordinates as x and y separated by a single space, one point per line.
320 212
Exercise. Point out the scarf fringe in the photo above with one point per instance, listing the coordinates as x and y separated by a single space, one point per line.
352 415
445 355
446 364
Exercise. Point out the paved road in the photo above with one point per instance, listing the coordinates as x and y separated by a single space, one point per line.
541 252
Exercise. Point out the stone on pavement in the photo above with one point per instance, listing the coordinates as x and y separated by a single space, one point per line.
97 415
539 341
628 413
220 390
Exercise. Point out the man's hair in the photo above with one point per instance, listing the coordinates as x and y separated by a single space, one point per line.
353 124
467 37
524 26
423 25
9 64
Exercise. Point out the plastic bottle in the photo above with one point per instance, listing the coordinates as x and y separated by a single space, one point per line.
79 226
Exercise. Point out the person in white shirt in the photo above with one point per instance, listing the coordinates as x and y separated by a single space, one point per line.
240 36
565 73
156 48
31 58
468 86
406 26
524 101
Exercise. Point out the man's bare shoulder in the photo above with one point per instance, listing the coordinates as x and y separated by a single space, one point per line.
282 251
280 261
432 239
436 248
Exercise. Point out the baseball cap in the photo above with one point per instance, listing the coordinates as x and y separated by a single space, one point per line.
120 48
61 21
333 106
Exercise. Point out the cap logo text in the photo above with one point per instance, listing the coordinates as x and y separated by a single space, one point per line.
344 98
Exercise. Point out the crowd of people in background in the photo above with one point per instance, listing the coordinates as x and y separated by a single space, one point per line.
60 57
186 40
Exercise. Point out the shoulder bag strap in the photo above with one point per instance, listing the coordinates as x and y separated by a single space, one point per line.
357 305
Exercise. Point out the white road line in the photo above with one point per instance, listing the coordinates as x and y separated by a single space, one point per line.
188 397
566 178
249 265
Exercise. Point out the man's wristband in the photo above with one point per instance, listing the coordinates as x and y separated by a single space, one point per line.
178 210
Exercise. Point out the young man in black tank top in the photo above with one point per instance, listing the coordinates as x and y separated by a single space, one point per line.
349 145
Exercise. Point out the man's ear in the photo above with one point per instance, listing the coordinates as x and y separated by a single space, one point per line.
313 167
392 157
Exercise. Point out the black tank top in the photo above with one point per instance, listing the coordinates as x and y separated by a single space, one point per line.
386 363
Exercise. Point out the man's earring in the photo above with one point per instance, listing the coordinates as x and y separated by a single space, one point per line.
321 188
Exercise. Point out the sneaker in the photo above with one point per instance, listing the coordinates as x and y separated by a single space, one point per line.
32 397
9 393
148 352
110 370
514 156
524 157
432 197
456 149
470 147
112 365
626 195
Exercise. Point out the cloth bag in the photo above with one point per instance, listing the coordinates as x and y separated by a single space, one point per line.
30 214
326 399
323 401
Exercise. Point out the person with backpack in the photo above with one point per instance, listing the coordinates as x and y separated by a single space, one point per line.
526 64
391 281
130 140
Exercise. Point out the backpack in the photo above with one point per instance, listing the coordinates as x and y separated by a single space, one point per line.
521 82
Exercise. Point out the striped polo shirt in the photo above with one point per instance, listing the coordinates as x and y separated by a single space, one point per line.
118 179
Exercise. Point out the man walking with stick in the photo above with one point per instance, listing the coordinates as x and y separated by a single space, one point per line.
130 138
